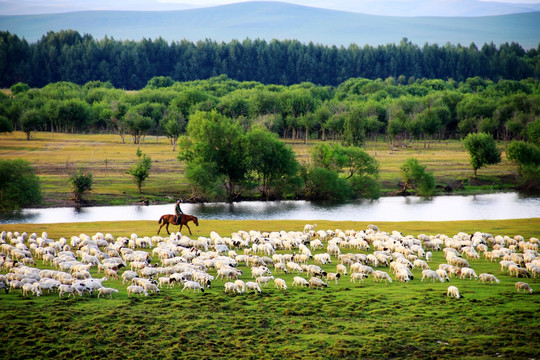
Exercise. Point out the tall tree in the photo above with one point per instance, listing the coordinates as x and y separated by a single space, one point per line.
482 149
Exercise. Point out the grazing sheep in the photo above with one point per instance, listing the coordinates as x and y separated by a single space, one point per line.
379 276
421 264
250 285
280 284
294 267
315 282
341 269
264 280
33 288
431 274
192 285
231 287
468 272
309 227
523 286
488 277
443 274
68 289
299 281
358 276
136 290
333 276
453 291
106 291
241 285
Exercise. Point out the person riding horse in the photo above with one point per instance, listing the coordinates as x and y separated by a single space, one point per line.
178 212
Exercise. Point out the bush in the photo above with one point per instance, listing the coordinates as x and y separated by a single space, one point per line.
140 170
81 182
415 176
19 186
324 184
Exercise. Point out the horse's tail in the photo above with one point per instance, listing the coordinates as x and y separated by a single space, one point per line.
161 219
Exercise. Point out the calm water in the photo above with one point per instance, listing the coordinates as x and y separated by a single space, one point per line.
440 208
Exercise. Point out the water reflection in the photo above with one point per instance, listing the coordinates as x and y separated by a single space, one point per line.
439 208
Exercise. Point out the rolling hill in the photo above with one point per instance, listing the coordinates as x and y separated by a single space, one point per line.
275 20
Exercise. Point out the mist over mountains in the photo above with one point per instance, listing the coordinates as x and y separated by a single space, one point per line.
277 20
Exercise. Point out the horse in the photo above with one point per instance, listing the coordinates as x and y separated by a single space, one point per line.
184 219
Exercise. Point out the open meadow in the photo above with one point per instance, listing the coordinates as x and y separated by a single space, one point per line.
365 320
54 155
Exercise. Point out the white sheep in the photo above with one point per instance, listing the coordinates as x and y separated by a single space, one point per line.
315 282
68 289
106 291
488 277
309 227
379 275
443 274
523 286
342 269
280 284
299 281
31 287
264 280
136 290
453 291
333 276
431 274
232 287
192 285
358 276
241 285
250 285
294 267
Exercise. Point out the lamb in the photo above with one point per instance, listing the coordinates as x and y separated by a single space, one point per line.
280 284
128 275
468 272
309 227
280 267
232 287
33 288
68 289
264 280
294 267
250 285
136 290
333 276
315 282
193 285
453 291
341 269
443 274
488 277
241 285
430 274
299 281
106 291
421 264
379 275
523 286
358 276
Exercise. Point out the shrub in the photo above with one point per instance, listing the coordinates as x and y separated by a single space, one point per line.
140 170
415 176
19 186
81 182
324 184
483 150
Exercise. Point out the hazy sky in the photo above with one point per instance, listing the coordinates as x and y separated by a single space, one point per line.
395 7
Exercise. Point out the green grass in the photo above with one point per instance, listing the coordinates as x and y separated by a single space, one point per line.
54 155
363 320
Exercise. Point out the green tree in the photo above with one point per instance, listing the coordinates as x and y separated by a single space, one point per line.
141 169
527 158
81 183
415 176
361 170
19 88
137 125
5 124
173 124
19 186
31 120
533 132
482 149
216 143
273 162
325 184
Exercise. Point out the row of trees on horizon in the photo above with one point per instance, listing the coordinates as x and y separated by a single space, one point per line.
69 56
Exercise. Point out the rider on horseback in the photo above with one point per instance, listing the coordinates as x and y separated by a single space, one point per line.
178 212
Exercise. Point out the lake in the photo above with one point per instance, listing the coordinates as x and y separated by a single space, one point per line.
398 208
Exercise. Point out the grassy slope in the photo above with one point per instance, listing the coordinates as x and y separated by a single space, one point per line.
363 320
108 159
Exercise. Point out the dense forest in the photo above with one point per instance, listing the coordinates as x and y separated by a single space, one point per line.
70 56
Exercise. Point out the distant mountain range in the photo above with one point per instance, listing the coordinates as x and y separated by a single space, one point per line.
276 20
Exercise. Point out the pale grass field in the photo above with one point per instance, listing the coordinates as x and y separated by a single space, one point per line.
54 155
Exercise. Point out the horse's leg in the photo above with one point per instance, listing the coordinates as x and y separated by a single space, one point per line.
160 227
188 229
167 227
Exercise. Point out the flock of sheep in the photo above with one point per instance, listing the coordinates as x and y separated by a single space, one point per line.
147 264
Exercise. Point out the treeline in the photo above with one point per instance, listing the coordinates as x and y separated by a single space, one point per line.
69 56
356 110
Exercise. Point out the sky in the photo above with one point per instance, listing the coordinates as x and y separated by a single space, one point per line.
382 7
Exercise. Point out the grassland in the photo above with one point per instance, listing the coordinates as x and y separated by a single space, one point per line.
54 155
365 320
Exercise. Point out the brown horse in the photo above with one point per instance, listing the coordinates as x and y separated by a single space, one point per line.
169 219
